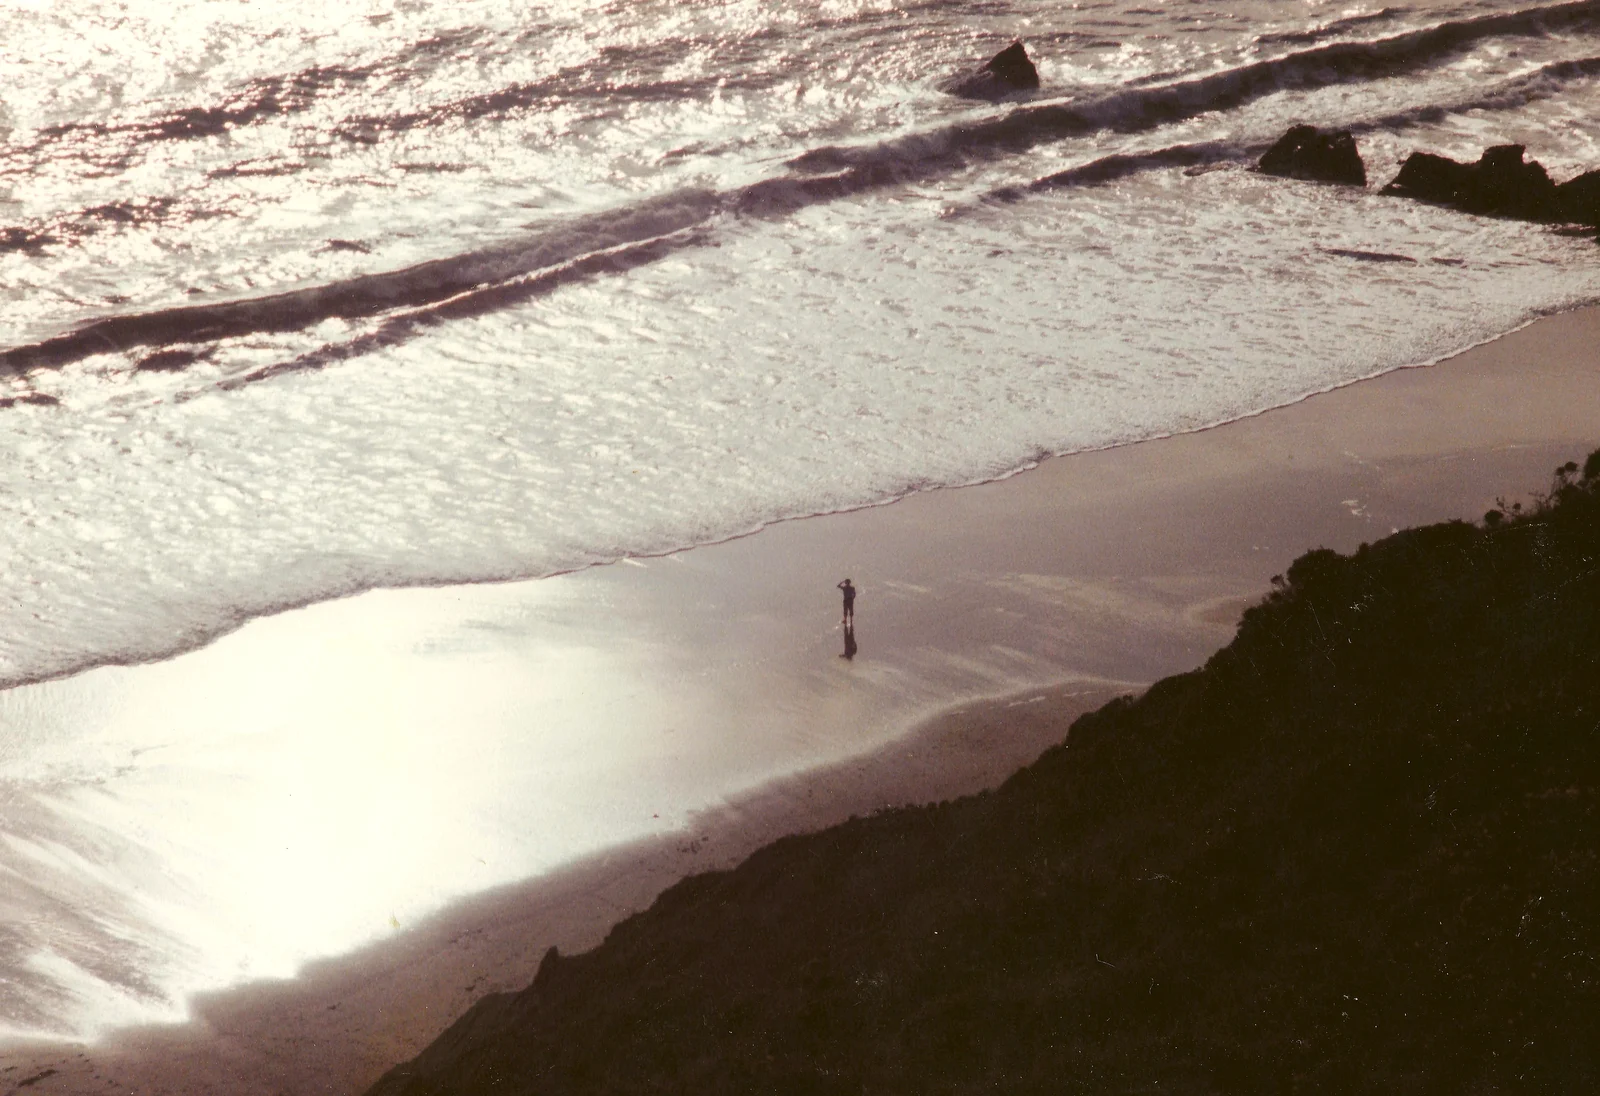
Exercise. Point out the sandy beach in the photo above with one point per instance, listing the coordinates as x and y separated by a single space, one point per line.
989 617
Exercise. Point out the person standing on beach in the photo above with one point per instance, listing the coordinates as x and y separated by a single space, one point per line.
849 601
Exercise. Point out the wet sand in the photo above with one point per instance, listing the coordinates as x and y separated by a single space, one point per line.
1052 590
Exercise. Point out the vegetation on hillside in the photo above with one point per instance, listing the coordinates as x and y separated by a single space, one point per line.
1356 852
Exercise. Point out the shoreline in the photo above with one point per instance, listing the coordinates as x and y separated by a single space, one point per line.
207 637
1169 538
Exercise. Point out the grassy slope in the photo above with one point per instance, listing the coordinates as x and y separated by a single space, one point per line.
1355 852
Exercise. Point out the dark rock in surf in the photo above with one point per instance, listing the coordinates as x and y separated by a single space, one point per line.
1305 152
1430 178
1006 73
1579 199
1507 185
1500 184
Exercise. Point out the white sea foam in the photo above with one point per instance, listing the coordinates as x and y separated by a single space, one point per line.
833 359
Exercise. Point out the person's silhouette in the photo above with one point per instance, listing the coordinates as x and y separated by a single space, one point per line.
849 602
849 641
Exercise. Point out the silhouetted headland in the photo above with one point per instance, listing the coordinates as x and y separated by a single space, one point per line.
1355 852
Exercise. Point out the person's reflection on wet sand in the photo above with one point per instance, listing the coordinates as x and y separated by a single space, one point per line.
849 591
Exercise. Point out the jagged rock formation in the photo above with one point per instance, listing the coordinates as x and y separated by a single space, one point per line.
1305 152
1006 73
1500 184
1579 199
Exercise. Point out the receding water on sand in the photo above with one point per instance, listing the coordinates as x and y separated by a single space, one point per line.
311 781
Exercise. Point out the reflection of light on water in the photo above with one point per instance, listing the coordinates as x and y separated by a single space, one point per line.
292 790
315 780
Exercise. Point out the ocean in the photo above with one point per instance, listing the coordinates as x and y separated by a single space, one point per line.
304 299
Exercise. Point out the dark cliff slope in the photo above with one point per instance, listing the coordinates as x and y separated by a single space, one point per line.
1356 852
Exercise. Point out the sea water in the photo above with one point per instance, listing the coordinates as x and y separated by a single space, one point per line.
304 299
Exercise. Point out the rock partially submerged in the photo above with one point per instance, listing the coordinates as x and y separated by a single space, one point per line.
1579 199
1430 178
1500 184
1305 152
1006 73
